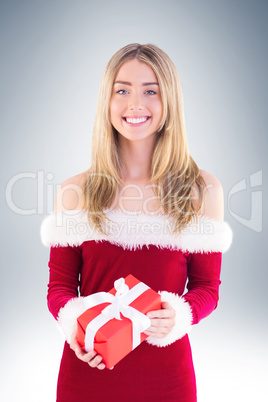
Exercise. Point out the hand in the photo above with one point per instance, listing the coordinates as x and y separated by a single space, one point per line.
162 321
92 358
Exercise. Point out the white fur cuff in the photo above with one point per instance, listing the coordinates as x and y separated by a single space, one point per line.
183 320
68 315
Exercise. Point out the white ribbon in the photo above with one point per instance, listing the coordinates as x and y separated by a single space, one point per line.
119 304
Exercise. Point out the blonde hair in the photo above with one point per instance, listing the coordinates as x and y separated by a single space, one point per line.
173 170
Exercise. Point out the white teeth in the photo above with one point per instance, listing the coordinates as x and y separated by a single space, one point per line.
135 121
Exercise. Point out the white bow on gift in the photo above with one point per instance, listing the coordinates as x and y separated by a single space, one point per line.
119 304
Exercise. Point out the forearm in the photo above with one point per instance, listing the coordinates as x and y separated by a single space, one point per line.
58 296
204 271
64 268
200 300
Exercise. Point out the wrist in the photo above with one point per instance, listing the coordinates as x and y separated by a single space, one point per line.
183 320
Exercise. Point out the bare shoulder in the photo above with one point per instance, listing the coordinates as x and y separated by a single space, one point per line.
70 194
213 206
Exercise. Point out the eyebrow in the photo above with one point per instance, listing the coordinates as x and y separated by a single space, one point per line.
129 83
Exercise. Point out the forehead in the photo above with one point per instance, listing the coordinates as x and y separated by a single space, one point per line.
135 71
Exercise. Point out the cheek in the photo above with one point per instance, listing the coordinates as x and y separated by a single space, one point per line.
158 109
115 109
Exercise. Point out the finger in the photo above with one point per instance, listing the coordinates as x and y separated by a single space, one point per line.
156 334
86 357
162 322
101 366
159 329
95 361
154 331
168 313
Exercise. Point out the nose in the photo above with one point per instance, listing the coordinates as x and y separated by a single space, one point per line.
135 102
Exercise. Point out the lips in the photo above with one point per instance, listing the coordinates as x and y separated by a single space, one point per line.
136 117
129 124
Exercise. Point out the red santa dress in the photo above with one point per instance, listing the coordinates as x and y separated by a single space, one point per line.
184 269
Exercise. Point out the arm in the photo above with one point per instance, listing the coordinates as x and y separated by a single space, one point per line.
64 268
62 297
65 260
65 263
203 284
204 268
179 313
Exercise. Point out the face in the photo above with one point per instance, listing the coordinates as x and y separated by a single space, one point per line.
135 106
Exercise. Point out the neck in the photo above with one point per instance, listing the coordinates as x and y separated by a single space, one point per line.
136 156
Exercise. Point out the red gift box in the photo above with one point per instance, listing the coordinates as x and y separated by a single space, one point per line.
118 336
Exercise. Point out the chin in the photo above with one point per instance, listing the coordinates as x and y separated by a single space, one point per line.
137 137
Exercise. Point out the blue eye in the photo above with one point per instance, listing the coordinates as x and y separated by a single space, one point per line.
123 90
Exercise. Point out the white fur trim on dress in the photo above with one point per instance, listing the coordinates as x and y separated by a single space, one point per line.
68 315
183 320
132 230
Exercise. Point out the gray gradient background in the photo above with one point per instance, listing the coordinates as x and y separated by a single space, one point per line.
53 56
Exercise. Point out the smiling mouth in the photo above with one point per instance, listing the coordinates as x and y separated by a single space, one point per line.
136 121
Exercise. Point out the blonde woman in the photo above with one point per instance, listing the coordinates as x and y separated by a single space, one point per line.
142 208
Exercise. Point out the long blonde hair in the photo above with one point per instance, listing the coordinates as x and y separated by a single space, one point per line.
173 170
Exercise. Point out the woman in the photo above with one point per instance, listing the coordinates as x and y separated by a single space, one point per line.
143 208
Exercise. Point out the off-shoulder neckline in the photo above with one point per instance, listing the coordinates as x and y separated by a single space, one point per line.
137 213
107 210
203 234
